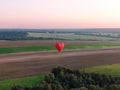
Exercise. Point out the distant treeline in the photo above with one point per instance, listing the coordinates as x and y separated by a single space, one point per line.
19 35
12 35
68 30
66 79
23 34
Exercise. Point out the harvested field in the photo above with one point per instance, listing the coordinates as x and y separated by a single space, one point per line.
4 43
32 63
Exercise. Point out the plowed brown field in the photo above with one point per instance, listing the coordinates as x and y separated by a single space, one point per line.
32 63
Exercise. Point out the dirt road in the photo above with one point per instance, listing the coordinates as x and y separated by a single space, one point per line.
32 63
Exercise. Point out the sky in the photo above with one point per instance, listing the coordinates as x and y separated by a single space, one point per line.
59 13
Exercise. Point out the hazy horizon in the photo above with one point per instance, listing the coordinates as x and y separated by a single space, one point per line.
63 29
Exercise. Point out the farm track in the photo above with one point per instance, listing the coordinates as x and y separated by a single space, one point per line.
32 63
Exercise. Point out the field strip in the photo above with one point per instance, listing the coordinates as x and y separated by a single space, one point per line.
33 63
44 55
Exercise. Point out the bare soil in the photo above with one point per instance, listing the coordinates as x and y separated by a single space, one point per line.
33 63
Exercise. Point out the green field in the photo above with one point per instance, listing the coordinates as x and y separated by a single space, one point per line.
113 69
46 48
26 81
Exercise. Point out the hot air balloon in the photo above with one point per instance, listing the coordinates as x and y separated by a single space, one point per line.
59 46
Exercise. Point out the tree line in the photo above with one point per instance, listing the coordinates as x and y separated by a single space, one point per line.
20 35
65 79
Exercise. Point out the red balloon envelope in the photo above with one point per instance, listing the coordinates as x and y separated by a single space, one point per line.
59 46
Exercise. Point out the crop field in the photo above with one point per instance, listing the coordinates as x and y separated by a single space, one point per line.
26 81
5 50
28 53
33 63
73 36
19 43
25 61
112 69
